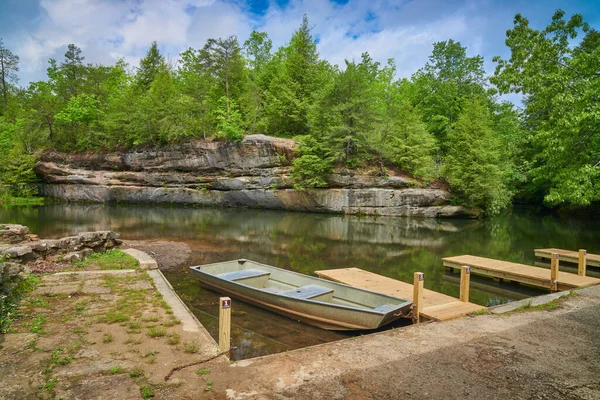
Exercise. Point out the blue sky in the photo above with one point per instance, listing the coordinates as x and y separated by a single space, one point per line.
107 30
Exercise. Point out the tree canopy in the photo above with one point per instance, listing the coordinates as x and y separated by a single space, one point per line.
444 125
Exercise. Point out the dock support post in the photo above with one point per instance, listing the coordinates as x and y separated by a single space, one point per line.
224 324
554 257
418 295
465 280
582 265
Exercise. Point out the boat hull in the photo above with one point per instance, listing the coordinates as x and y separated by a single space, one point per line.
316 313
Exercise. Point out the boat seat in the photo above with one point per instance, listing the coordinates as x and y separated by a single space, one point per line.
308 292
242 274
384 308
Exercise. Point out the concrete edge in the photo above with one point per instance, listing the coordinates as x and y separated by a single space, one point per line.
593 291
189 321
144 259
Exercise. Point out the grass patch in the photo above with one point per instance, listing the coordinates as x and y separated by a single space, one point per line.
81 306
146 392
191 346
202 373
150 318
150 353
115 370
37 324
136 372
109 260
529 307
37 301
50 385
107 338
551 305
172 322
22 201
114 316
10 302
79 330
173 339
480 312
157 331
57 357
133 340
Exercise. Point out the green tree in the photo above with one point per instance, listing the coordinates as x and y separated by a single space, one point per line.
223 59
197 82
16 164
258 52
229 120
79 119
448 77
473 162
560 81
69 77
151 65
352 107
298 78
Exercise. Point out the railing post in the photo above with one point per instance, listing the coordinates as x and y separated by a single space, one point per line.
582 265
554 257
465 280
224 324
418 295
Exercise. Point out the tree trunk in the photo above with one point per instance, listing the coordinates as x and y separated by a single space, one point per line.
3 82
227 91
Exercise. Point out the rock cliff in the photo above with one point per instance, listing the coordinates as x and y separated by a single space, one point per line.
253 173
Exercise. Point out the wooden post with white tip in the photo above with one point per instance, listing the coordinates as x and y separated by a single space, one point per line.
554 261
224 324
582 264
465 280
418 280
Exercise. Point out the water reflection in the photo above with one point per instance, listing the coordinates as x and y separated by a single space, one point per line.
395 247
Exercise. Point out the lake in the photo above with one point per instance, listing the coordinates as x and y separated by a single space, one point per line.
303 242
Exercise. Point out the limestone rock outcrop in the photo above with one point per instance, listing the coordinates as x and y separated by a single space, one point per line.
253 173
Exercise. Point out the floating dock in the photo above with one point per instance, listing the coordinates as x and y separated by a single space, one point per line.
436 306
536 276
569 256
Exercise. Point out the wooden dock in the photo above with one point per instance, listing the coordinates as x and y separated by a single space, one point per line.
535 276
592 260
436 306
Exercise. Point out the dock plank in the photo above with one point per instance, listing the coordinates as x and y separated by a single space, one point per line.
592 260
535 276
436 306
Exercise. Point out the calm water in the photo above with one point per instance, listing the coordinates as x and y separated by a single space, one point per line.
395 247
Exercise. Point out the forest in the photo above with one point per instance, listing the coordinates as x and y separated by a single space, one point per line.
447 122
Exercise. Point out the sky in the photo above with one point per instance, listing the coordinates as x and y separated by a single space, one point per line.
107 30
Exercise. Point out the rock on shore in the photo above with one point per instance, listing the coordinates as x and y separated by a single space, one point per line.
254 173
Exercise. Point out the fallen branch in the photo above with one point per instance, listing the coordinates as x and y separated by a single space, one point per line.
173 370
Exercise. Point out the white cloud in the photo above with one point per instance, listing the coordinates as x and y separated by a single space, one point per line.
111 29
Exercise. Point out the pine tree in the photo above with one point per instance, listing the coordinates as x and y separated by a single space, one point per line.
150 66
72 70
298 79
473 162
